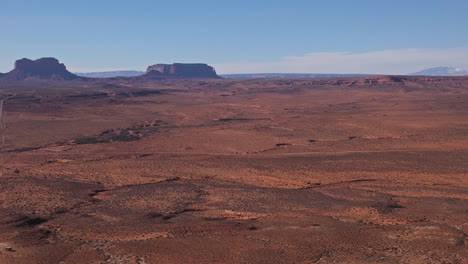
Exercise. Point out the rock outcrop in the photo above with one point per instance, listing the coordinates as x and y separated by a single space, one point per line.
42 69
182 70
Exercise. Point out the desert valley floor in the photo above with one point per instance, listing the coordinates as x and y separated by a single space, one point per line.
223 171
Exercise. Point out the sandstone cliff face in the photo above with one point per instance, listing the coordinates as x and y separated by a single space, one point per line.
44 68
183 70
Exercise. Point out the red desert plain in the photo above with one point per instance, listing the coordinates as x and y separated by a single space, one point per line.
170 170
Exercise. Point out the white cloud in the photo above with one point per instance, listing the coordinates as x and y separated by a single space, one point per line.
402 61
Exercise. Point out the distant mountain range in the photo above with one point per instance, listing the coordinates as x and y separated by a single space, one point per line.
437 71
442 71
110 74
289 75
195 70
50 69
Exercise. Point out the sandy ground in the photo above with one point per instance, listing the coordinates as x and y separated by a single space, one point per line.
236 172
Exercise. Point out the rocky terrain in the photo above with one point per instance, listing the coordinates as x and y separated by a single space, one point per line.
343 170
40 69
186 70
50 70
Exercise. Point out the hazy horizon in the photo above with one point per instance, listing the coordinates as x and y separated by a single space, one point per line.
239 37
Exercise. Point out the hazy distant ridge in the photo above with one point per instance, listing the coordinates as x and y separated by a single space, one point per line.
289 75
442 71
110 74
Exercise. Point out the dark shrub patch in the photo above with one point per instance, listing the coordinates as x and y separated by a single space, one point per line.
32 222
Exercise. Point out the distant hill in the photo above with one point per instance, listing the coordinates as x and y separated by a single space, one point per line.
442 71
289 75
110 74
50 69
40 69
181 70
158 71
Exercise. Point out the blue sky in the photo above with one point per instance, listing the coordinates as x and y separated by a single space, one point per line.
359 36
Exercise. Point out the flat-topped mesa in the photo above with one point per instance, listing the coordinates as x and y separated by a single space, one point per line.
44 69
183 70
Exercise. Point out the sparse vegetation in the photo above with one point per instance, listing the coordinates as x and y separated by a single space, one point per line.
278 162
